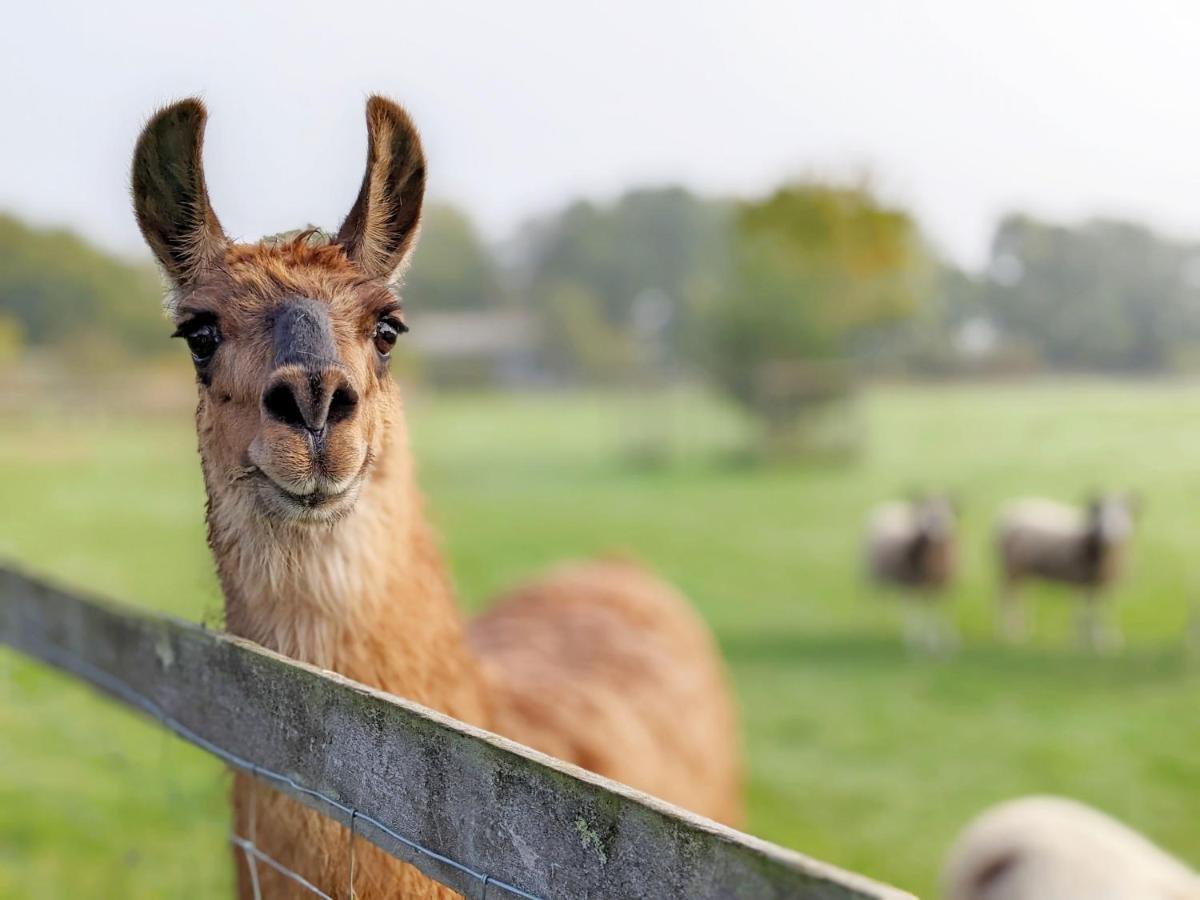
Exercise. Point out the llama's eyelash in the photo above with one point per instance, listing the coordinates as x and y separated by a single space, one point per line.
192 324
392 315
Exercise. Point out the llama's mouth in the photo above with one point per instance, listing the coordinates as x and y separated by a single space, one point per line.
315 506
318 505
313 500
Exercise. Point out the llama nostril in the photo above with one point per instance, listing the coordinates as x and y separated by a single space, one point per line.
342 404
280 404
306 401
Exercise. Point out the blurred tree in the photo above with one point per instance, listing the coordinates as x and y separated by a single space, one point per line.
950 334
814 267
1105 295
453 271
632 272
576 337
56 287
11 340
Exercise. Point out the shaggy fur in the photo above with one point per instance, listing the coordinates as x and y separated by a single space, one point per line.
324 553
1050 848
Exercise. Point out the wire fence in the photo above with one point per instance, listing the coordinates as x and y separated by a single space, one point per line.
248 844
507 822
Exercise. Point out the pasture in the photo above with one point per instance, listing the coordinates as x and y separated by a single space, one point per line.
858 753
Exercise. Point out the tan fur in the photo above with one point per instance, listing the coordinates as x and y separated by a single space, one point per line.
597 663
569 660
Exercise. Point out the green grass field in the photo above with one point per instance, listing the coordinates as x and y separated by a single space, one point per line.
858 753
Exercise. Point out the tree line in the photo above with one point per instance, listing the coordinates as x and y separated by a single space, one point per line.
665 283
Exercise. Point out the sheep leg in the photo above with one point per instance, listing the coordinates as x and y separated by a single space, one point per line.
1012 613
1086 623
919 637
949 639
1095 633
927 631
1113 637
914 638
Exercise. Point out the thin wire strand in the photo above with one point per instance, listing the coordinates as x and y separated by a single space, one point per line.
353 816
252 865
279 867
135 698
251 859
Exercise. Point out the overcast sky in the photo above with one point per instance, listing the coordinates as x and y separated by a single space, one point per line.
961 110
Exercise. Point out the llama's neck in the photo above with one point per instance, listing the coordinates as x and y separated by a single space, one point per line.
367 597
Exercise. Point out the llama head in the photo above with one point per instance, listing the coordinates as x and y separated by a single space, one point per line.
290 337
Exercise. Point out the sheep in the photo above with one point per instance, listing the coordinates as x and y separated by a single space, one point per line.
1085 547
1052 848
913 545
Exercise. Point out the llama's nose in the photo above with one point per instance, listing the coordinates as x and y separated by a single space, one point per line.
309 400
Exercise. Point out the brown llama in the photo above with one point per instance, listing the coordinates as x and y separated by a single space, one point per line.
321 544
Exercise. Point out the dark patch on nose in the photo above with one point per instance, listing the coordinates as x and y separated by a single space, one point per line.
304 335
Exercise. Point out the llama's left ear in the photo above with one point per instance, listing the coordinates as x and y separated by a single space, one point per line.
169 194
381 229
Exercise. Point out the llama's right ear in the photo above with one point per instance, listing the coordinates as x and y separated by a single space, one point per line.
381 229
169 194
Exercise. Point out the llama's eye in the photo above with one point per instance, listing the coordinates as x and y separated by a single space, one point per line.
386 333
202 340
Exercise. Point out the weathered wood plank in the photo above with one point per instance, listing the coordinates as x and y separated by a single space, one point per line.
415 778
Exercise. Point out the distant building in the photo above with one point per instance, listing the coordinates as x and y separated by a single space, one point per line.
977 338
477 348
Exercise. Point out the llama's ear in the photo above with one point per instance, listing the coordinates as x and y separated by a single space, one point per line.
381 229
169 194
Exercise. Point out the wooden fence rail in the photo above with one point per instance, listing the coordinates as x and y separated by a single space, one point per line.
453 800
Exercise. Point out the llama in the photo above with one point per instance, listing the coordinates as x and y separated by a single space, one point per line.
321 545
1051 541
913 545
1038 847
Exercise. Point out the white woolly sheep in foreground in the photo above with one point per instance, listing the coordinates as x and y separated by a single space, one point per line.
913 545
1051 848
1050 541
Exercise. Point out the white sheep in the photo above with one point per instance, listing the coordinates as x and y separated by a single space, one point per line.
912 544
1052 848
1085 547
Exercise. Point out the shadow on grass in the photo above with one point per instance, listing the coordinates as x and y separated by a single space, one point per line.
880 652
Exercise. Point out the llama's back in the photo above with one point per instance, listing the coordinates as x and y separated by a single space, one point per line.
605 666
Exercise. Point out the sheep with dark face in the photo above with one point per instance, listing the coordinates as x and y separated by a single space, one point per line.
1035 848
1085 547
912 545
